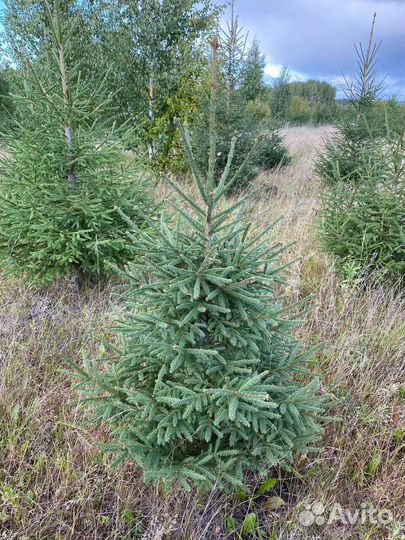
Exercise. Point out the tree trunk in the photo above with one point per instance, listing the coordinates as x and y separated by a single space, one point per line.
68 127
151 113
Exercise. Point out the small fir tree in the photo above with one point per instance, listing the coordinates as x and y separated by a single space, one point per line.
209 382
65 175
359 130
362 212
241 113
233 55
252 85
363 226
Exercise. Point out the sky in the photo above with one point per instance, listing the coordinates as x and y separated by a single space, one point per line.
315 38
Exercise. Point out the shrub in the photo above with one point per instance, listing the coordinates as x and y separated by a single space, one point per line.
299 109
209 381
364 225
65 176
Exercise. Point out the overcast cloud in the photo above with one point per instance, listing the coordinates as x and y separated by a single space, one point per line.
315 38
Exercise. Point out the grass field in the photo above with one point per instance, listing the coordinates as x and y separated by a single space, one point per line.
56 484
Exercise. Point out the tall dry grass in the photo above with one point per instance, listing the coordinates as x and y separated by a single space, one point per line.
56 484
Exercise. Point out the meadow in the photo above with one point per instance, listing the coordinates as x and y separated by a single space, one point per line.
56 484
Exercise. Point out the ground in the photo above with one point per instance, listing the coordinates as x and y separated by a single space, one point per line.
56 484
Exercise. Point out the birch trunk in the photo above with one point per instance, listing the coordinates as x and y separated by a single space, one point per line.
68 127
151 150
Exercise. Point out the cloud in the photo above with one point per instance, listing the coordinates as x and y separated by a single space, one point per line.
273 71
316 38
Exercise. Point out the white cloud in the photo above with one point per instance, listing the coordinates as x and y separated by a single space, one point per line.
273 70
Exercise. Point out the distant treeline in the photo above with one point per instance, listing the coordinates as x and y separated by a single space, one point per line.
302 102
315 102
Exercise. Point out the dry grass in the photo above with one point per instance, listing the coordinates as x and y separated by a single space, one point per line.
56 484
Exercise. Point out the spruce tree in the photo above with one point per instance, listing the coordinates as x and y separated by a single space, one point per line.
241 112
233 55
65 175
363 225
209 381
359 129
252 85
362 212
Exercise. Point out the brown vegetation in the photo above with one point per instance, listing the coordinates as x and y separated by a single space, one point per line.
54 481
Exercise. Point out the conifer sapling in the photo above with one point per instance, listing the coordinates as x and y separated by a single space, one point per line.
242 112
209 381
65 174
359 130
